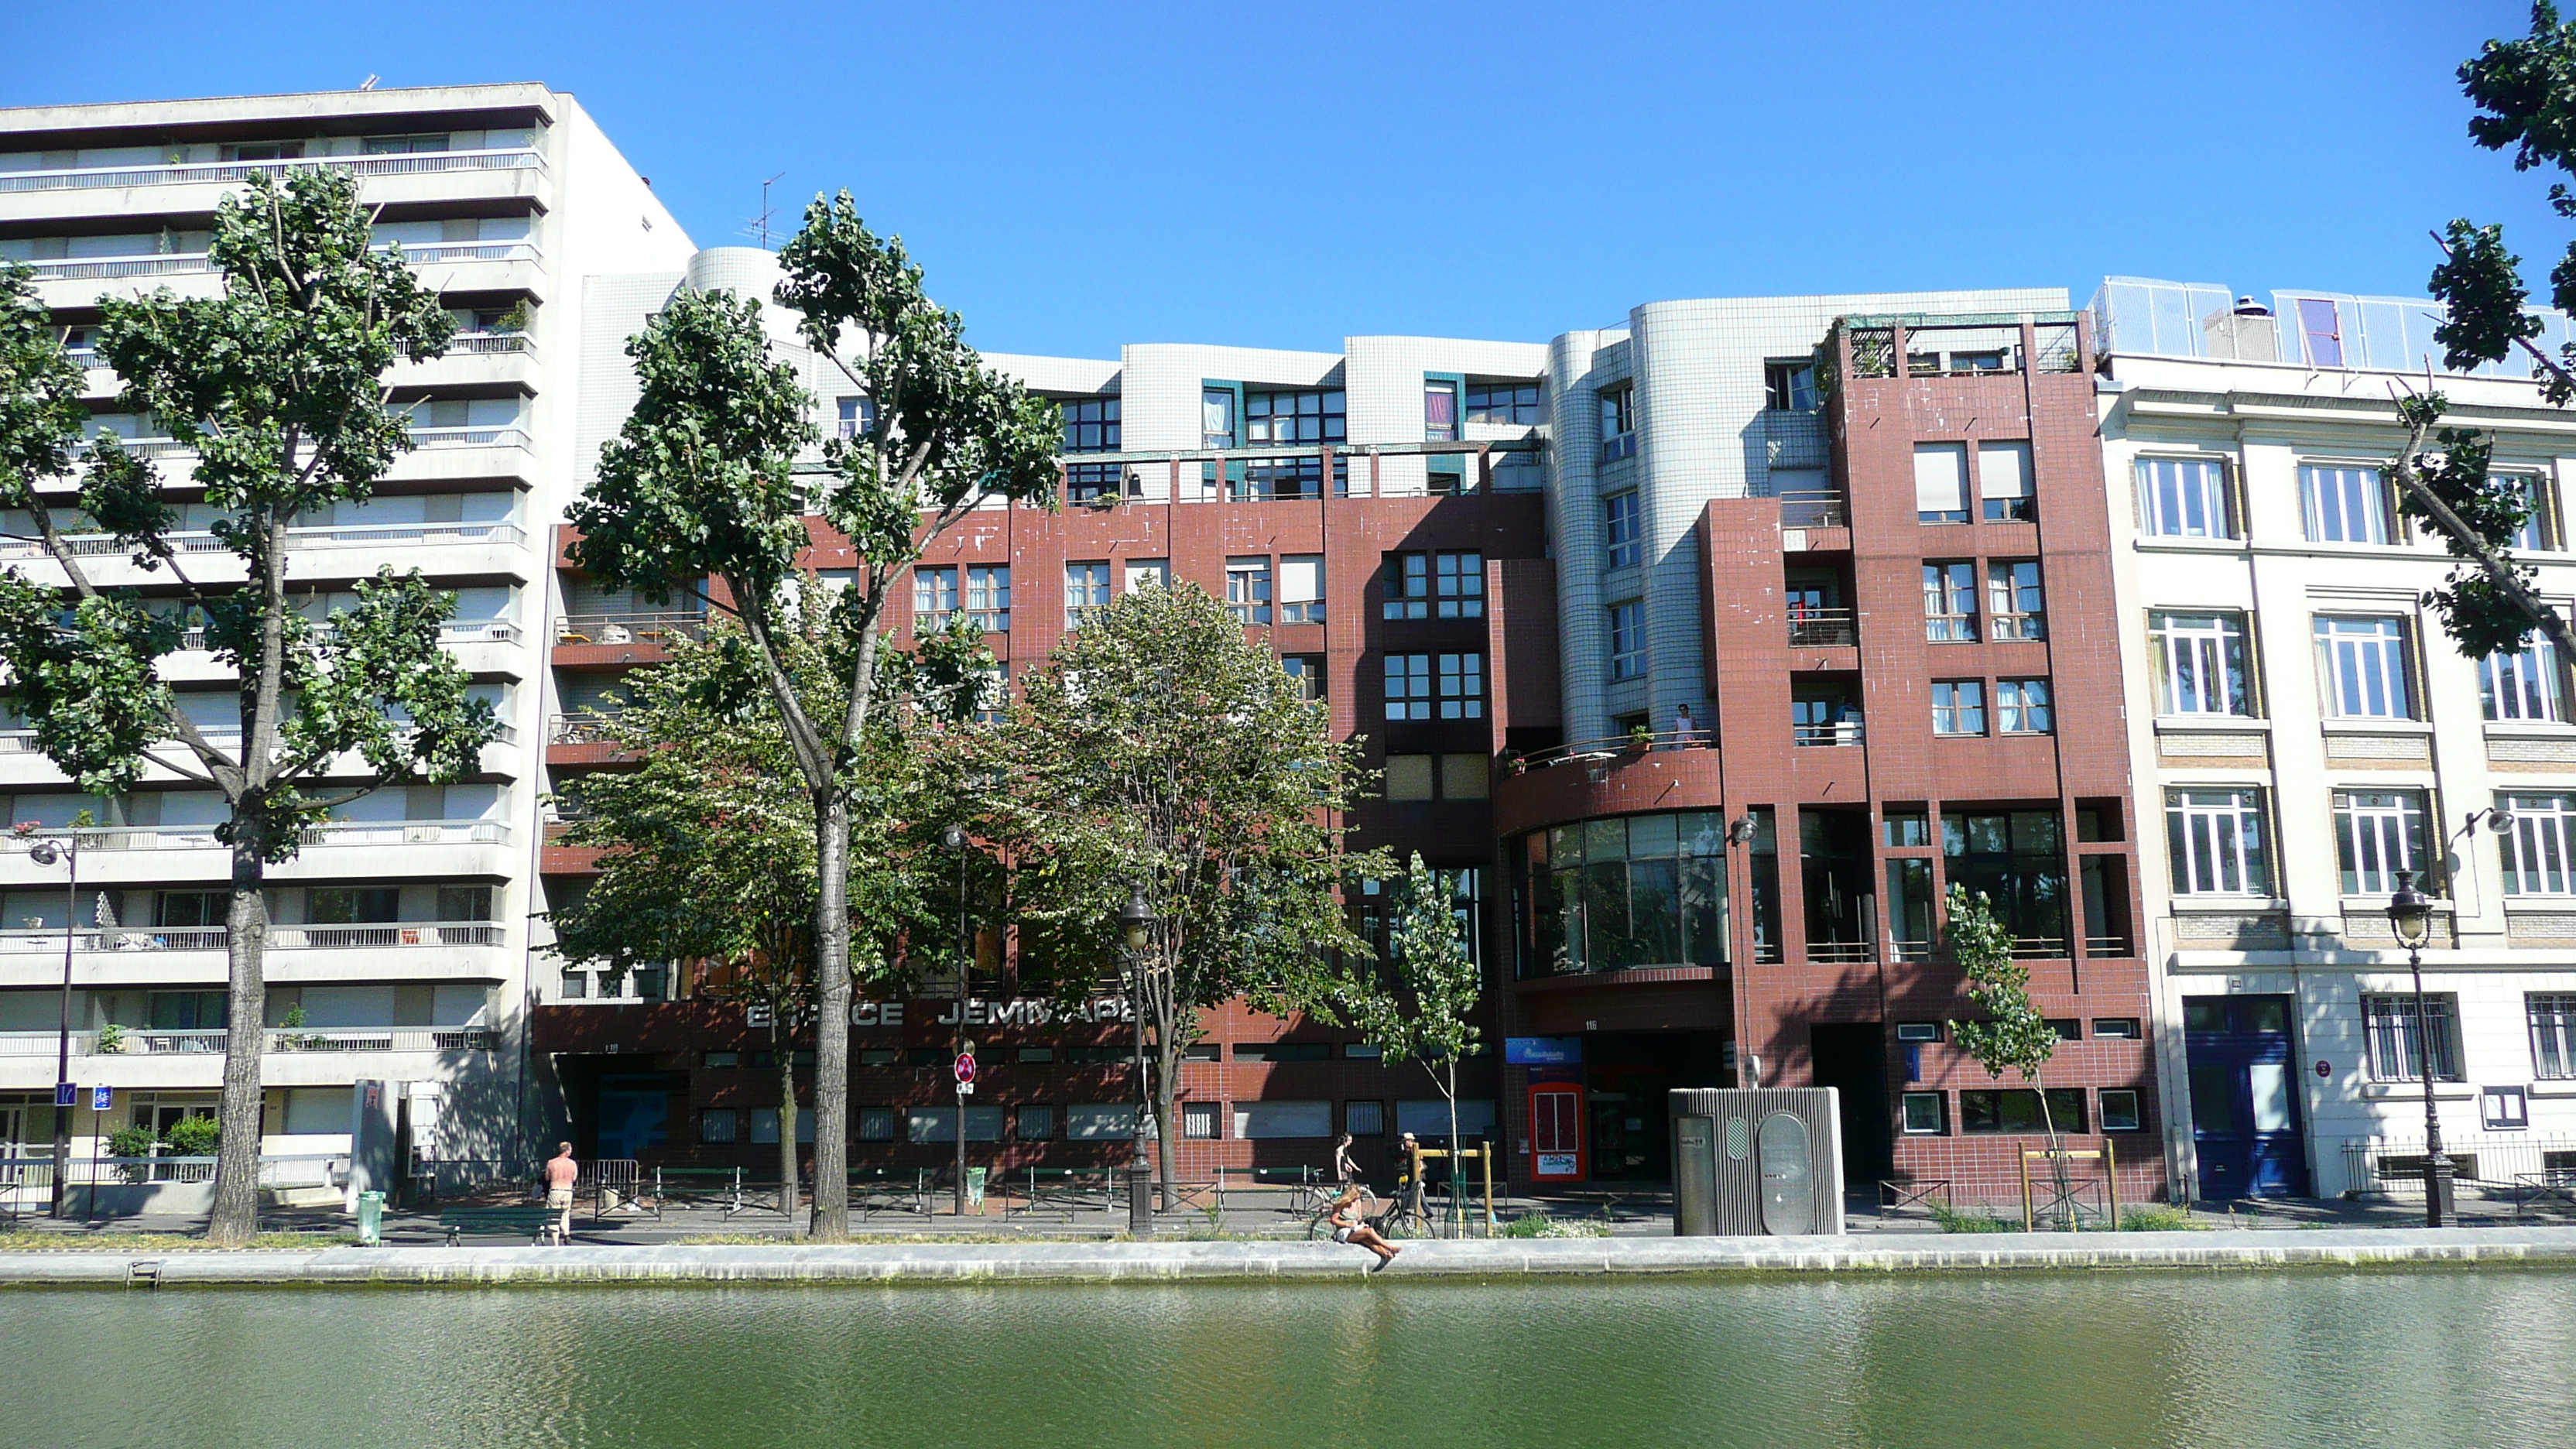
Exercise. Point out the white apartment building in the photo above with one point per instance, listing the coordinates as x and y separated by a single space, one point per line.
402 947
2307 730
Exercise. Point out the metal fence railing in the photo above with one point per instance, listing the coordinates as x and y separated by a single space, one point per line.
2494 1161
27 1180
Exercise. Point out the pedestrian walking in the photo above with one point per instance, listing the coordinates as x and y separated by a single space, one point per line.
1349 1218
1345 1171
561 1173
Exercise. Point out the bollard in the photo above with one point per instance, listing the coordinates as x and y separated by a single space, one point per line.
1140 1201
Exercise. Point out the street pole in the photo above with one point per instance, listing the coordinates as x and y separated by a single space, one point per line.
43 852
955 839
1136 920
2438 1212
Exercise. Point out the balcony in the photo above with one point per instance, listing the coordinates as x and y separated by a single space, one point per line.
372 834
233 173
140 1041
175 264
1814 509
346 535
1824 628
591 727
630 628
42 941
1829 732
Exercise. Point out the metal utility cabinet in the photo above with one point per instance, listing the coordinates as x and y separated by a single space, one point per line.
1764 1161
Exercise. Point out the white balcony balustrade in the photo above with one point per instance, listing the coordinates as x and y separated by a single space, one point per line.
342 535
39 941
368 833
143 1041
234 172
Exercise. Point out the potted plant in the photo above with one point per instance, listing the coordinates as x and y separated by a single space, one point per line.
111 1040
1640 738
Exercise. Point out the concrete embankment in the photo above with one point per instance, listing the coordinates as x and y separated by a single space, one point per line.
1221 1261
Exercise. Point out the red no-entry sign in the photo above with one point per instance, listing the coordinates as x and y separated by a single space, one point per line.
965 1067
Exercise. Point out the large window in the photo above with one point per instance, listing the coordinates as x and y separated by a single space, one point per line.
1628 639
2004 483
1614 895
2217 843
1247 590
1462 686
1282 479
1502 402
1458 582
2539 531
1216 417
2540 846
1408 686
2022 707
2398 1037
1090 424
1440 410
2013 600
2018 858
2553 1033
2185 498
1408 586
988 597
2344 505
1950 603
2016 1110
1619 514
1618 423
1086 591
934 594
1294 417
1301 588
1789 385
2377 834
2524 686
2200 663
1958 707
2361 663
857 415
1941 482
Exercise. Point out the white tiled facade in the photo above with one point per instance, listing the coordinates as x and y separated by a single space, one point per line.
2288 429
403 935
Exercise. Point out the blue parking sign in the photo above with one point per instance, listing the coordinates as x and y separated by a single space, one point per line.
101 1098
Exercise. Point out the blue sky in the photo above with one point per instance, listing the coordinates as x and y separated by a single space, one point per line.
1283 175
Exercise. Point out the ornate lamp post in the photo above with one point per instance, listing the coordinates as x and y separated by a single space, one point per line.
954 838
1136 925
46 852
2410 915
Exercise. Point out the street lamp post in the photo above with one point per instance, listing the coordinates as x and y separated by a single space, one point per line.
954 837
1136 924
2410 915
46 852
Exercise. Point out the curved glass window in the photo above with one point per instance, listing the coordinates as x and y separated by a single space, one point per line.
1614 895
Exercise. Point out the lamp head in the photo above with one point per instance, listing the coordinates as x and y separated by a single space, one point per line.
953 837
2410 913
44 852
1135 919
1741 832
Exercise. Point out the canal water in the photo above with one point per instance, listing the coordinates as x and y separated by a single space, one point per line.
2418 1358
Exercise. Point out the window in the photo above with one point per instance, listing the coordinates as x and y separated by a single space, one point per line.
1618 424
401 145
2537 845
939 1124
1620 517
764 1124
1364 1119
2017 1110
188 1010
1789 385
2398 1037
2021 707
1090 424
2553 1033
1628 639
1509 403
1294 417
1465 777
717 1124
2377 834
857 415
1092 1121
1095 482
2013 598
265 151
2018 859
1918 1031
1941 482
1198 1121
2120 1110
1459 582
2344 505
934 593
992 691
1958 707
352 905
1408 586
1216 417
1409 777
2362 665
1440 410
2539 531
2068 1028
2003 483
2185 498
464 903
2523 686
1033 1123
1618 893
1408 686
1086 591
1247 590
1462 686
2505 1109
1308 671
2200 663
2322 330
2115 1028
1283 478
1926 1114
192 908
988 597
1148 573
1301 588
1950 603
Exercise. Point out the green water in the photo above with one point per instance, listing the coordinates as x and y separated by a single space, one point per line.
2411 1358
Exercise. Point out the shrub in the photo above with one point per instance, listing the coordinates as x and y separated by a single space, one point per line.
1959 1220
2157 1219
1540 1225
194 1136
111 1039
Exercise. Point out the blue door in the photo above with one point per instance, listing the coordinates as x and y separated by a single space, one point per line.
2244 1097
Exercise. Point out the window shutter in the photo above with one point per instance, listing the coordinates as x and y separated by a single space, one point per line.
1941 477
2003 470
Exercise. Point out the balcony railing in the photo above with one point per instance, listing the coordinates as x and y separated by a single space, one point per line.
478 631
1609 750
1824 628
2106 945
228 172
1837 732
487 344
629 628
1803 509
2039 948
589 727
1841 953
143 1041
369 833
179 264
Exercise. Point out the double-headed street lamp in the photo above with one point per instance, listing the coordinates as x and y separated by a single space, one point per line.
1136 926
2410 915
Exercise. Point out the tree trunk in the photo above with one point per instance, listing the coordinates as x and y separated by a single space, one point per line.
783 1038
2058 1173
1167 1116
236 1215
1449 1089
832 1021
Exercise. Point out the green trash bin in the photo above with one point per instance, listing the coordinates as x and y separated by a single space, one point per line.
371 1217
975 1186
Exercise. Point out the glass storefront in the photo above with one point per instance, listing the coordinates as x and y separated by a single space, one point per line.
1613 895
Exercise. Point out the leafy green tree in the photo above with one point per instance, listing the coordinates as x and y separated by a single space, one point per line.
2525 91
1418 1010
276 387
699 485
2009 1034
1159 751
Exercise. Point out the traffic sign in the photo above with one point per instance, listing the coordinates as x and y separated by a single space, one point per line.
966 1067
65 1094
101 1098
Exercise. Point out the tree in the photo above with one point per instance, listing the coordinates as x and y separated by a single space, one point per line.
699 485
1418 1011
2525 91
2010 1034
276 387
1159 751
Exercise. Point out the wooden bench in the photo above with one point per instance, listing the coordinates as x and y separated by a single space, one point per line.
537 1222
